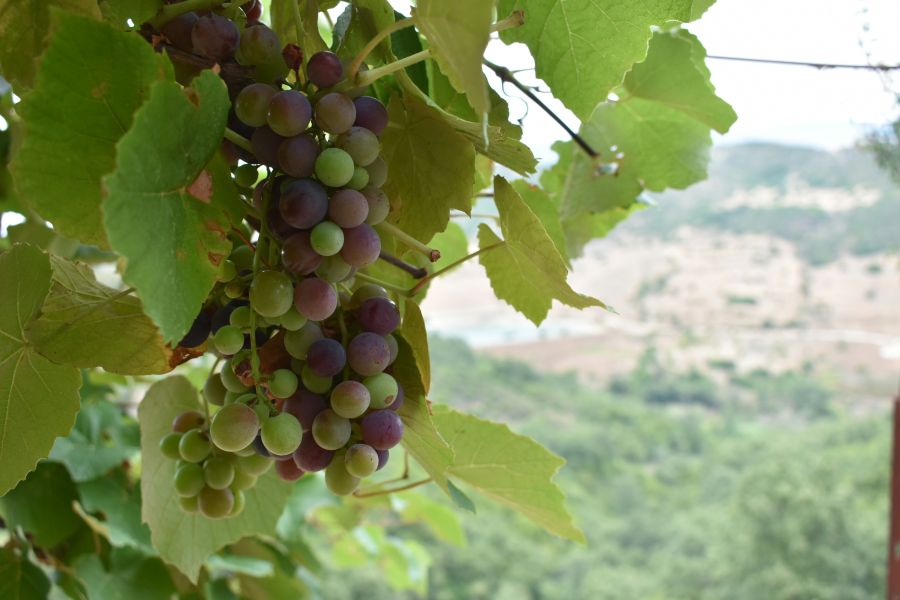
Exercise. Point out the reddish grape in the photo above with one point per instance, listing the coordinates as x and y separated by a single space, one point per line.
215 37
361 246
303 203
368 354
288 470
309 456
348 208
297 155
315 299
335 113
305 406
289 113
378 315
298 255
326 357
265 144
324 69
382 429
371 114
178 30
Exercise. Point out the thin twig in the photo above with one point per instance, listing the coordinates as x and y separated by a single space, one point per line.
423 282
417 272
798 63
408 486
432 254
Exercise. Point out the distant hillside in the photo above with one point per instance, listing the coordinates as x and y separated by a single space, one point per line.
825 203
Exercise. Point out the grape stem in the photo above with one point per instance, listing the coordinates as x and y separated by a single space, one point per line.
408 486
388 286
367 78
416 272
353 69
423 282
233 136
211 373
430 253
170 11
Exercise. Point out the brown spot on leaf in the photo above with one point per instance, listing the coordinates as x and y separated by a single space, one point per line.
214 259
215 227
100 89
192 96
181 355
202 187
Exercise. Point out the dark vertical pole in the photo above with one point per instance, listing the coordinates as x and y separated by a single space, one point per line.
893 563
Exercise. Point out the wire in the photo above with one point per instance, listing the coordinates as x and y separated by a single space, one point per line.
815 65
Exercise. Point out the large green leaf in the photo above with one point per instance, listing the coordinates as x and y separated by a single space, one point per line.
583 48
186 540
457 33
509 468
361 21
21 579
431 168
452 243
413 331
118 12
26 25
118 505
42 505
38 399
86 324
525 268
544 209
83 102
172 239
131 576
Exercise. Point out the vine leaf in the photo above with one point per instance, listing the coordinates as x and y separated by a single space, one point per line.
525 268
118 12
86 324
82 103
431 168
452 244
119 503
131 574
416 336
508 468
186 540
544 209
38 399
359 23
19 577
42 505
173 242
458 34
583 48
26 25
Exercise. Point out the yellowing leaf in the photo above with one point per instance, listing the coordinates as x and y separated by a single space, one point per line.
416 336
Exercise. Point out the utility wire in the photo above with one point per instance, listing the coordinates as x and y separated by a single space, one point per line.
815 65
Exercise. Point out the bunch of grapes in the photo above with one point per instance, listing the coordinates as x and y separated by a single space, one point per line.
306 347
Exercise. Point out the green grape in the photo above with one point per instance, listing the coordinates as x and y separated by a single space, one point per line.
382 389
366 291
292 320
361 144
333 269
215 504
227 271
283 383
314 383
189 504
247 451
350 399
359 180
189 480
231 381
297 342
235 289
234 427
242 257
330 431
228 339
239 503
262 412
214 390
338 479
361 460
240 317
218 472
326 238
169 445
334 167
281 434
246 176
194 446
243 480
271 293
254 465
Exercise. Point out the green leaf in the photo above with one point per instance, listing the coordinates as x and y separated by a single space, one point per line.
509 468
544 209
583 48
37 234
21 579
118 12
173 241
441 520
26 26
525 268
502 145
458 34
42 505
131 576
223 564
38 399
413 331
186 540
82 103
452 244
119 503
86 324
430 168
364 19
282 17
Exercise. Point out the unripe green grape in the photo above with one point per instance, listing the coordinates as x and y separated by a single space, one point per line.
334 167
254 465
252 104
382 390
297 342
366 291
168 445
189 504
189 480
246 451
338 479
228 339
227 271
240 317
314 383
361 460
330 431
234 427
291 320
281 434
218 472
243 480
239 503
215 504
262 412
246 175
333 269
214 390
271 293
231 381
235 289
283 383
359 180
361 144
189 419
242 257
350 399
194 446
326 238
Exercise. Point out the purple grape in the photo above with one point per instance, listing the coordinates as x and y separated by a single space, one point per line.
265 143
259 45
315 299
253 10
348 208
260 447
215 37
297 155
298 255
371 114
198 332
378 315
306 406
392 344
251 106
288 470
309 456
178 30
383 456
289 113
277 226
382 429
326 357
335 113
324 69
361 246
303 203
368 354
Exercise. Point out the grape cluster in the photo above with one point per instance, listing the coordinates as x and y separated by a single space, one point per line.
306 346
